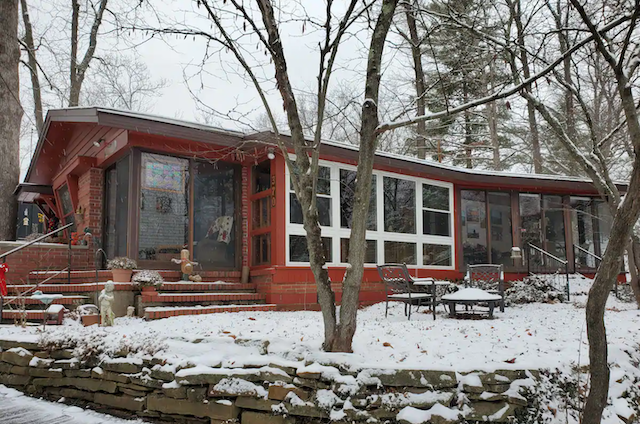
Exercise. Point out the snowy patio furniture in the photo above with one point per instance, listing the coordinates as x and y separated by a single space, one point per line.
470 297
404 288
488 277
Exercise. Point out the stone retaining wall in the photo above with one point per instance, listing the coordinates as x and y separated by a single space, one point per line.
264 393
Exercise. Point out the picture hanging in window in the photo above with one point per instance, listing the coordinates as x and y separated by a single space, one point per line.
163 204
163 173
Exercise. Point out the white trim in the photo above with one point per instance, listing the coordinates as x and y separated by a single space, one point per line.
335 232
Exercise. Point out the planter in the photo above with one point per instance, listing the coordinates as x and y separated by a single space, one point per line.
90 319
121 275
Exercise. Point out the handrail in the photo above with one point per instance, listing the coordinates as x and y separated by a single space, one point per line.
587 252
27 244
544 252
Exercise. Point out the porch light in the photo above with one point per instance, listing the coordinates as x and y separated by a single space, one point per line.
271 153
98 142
516 253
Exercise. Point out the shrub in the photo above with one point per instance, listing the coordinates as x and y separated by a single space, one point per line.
533 289
121 263
147 278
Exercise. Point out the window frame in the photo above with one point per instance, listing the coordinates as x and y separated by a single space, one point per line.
336 232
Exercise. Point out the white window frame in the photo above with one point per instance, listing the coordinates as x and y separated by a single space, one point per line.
335 232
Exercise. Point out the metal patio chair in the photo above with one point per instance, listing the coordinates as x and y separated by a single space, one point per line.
399 282
488 277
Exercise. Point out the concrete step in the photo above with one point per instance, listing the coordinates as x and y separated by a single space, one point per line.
171 299
160 312
66 300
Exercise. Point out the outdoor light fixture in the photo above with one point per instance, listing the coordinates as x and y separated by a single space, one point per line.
271 155
98 142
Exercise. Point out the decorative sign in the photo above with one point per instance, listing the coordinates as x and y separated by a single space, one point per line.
164 176
3 282
273 191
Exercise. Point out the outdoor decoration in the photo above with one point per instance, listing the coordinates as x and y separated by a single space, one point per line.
195 278
131 311
122 268
80 214
222 225
3 280
47 299
186 265
89 314
147 280
105 300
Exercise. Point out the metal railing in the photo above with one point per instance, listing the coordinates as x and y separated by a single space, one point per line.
5 255
539 261
597 259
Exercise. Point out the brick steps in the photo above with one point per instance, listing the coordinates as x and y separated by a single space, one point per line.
175 299
31 315
207 286
73 288
84 276
166 312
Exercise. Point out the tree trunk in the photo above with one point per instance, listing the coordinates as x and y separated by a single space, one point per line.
33 66
368 141
414 41
74 88
623 222
10 117
633 257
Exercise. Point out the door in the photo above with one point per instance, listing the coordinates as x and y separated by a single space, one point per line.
216 227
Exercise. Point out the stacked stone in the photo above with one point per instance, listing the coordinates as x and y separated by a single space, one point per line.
286 392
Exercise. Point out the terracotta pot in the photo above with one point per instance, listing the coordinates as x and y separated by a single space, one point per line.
121 275
149 289
90 319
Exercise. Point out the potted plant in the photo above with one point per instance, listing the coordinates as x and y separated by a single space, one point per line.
147 280
121 269
89 314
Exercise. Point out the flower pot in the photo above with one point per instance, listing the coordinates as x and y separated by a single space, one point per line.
90 319
149 289
121 275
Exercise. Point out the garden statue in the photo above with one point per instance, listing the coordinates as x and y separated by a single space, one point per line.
131 311
186 265
105 300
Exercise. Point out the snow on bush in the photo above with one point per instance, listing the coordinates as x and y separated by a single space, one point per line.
531 290
121 262
97 342
147 278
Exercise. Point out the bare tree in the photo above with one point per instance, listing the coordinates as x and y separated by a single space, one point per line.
10 117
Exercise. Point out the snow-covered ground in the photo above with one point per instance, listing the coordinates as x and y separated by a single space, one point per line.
16 408
533 336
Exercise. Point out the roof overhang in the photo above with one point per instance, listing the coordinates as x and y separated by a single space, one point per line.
28 193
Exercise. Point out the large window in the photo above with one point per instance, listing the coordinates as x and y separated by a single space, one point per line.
474 227
500 240
399 205
164 211
117 208
348 198
436 217
583 231
262 200
68 216
409 220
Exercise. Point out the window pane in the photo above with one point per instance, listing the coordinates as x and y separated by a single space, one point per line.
65 199
400 252
262 176
370 256
436 254
324 180
399 205
164 213
605 220
298 251
435 197
295 210
324 210
500 220
583 231
261 249
554 226
531 219
347 200
435 223
261 213
474 227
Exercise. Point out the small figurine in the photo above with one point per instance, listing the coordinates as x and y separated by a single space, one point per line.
105 300
186 265
131 311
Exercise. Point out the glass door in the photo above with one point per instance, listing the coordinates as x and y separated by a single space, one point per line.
215 200
116 209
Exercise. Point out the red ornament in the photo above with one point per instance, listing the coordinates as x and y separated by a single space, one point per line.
3 282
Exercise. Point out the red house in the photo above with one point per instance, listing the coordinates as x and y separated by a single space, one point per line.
146 186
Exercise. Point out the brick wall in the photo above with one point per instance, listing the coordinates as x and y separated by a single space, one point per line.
44 256
90 198
245 215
